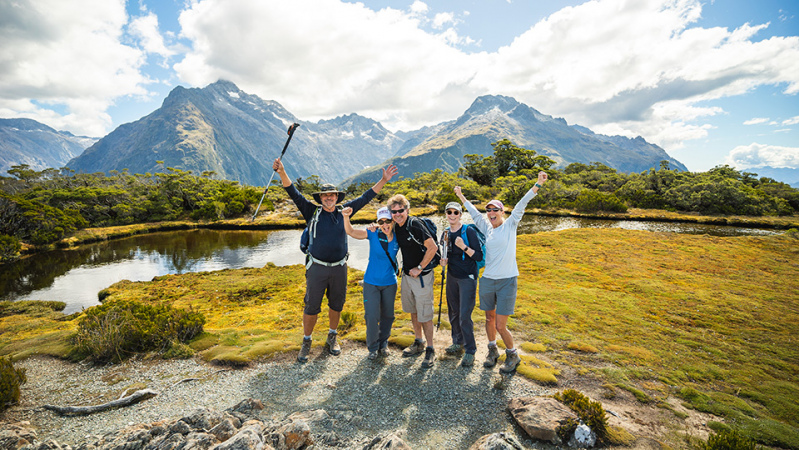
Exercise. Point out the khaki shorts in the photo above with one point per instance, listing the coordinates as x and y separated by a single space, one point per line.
417 299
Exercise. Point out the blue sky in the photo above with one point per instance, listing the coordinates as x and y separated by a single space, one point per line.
712 82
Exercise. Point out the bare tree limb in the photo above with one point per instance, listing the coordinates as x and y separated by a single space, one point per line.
135 397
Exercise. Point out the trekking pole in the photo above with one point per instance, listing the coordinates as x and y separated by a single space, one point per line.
444 245
291 133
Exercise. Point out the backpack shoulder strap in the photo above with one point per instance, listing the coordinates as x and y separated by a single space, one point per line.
384 243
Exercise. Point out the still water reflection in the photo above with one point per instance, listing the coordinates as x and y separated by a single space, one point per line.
75 276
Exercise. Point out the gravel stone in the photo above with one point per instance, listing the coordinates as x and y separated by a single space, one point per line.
445 407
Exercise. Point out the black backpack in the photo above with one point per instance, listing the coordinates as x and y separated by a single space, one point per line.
432 231
309 232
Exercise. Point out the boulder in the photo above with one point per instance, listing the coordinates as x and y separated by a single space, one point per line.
540 417
248 438
391 441
497 441
15 435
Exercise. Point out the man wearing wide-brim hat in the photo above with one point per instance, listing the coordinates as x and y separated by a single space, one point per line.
326 268
328 188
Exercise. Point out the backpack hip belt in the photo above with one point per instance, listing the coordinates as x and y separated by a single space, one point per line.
312 260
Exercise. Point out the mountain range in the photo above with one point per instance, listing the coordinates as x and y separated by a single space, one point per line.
26 141
223 129
492 118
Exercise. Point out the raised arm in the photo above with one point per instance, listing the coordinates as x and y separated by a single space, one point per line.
356 234
478 218
518 210
388 174
284 178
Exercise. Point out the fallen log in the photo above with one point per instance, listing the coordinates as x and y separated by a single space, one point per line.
135 397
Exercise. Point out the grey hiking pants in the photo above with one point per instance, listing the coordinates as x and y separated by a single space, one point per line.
378 305
461 293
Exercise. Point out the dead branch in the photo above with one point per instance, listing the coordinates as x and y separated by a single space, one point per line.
135 397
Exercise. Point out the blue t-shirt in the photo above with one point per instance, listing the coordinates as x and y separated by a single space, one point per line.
379 271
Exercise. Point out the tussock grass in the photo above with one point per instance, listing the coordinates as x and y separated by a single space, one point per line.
712 315
533 348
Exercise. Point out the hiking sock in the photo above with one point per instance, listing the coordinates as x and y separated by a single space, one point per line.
332 331
493 343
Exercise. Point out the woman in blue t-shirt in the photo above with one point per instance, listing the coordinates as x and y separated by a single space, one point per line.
379 280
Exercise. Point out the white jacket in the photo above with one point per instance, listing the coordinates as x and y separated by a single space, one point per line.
501 241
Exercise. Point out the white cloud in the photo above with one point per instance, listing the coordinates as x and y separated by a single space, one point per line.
377 63
145 28
442 19
756 121
418 7
69 58
792 121
759 155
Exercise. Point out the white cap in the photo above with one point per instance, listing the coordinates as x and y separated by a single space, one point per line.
383 213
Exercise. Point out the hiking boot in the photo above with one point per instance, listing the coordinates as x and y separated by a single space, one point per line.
492 357
454 349
512 360
429 358
332 344
416 348
467 360
384 352
372 356
305 350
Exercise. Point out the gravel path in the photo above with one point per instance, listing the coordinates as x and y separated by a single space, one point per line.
446 407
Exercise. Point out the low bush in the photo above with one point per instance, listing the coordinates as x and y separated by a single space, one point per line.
593 201
10 380
9 248
114 331
590 413
728 440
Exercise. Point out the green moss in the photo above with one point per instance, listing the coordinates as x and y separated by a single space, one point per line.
533 348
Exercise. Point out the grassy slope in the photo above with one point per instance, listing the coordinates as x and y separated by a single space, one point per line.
712 320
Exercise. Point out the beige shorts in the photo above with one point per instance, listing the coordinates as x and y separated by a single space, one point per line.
417 299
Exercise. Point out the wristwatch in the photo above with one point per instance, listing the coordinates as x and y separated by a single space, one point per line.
419 267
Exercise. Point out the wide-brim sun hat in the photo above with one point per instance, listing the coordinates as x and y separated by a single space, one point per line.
328 188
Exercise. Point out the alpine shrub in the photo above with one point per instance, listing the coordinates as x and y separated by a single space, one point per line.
593 201
116 330
9 248
590 413
10 381
728 440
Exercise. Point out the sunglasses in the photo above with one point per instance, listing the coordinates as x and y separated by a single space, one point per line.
397 211
492 209
451 213
384 221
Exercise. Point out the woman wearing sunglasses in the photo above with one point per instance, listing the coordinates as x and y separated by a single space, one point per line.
462 270
498 283
379 280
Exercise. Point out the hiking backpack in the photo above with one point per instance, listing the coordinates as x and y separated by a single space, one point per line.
309 232
481 238
432 231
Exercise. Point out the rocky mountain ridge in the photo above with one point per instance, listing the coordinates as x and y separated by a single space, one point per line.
237 136
26 141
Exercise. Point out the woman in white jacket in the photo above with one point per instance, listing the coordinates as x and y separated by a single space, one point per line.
498 284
